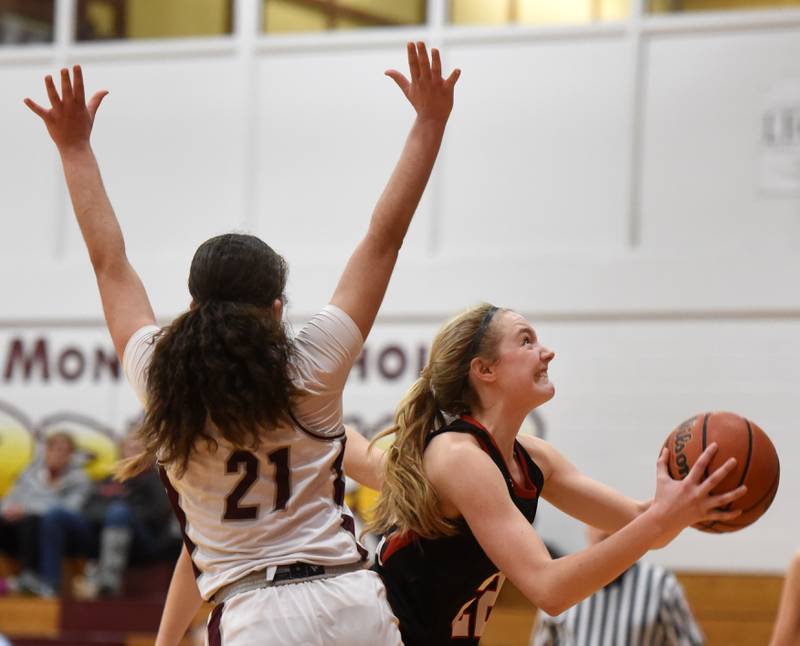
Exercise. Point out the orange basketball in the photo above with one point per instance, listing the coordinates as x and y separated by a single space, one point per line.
757 464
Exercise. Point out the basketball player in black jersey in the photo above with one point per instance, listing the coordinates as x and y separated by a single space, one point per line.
460 490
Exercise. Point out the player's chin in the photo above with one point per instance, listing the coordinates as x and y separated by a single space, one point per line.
545 392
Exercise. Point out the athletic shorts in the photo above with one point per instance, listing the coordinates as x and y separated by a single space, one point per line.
346 610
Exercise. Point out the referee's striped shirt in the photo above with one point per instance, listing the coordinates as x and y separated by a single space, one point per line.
645 606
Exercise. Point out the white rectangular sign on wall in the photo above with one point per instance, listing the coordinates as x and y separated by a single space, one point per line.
780 141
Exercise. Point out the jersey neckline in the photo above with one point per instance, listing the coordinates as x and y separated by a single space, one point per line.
527 488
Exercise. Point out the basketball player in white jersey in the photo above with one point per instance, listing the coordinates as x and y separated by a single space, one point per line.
246 423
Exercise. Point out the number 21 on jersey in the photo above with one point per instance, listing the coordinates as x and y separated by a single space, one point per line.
279 459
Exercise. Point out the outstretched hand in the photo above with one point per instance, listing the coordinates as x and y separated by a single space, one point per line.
69 119
429 93
690 501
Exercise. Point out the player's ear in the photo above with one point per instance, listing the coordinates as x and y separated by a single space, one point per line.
277 309
482 370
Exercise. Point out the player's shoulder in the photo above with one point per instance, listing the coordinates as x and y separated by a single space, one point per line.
450 447
452 457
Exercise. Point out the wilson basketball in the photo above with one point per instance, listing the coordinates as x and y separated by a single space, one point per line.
757 464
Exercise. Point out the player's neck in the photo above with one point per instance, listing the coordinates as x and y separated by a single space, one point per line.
502 423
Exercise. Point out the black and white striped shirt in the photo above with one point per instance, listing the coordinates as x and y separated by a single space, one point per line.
645 606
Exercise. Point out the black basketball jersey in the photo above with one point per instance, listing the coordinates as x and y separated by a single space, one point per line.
442 590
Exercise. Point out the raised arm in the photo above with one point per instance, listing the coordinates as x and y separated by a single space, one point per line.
363 284
469 483
69 121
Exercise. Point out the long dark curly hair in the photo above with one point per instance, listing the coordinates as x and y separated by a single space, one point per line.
225 361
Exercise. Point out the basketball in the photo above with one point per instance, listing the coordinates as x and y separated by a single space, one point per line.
757 464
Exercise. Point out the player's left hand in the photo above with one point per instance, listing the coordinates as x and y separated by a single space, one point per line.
69 119
429 93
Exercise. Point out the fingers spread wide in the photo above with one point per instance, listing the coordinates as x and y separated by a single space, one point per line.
436 64
36 108
424 63
66 85
77 74
52 93
413 62
698 471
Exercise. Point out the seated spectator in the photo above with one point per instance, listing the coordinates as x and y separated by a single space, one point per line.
134 521
41 519
787 625
644 605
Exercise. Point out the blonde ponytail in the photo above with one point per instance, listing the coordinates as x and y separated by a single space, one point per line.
407 500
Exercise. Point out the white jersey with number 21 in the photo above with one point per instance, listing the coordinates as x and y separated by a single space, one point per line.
244 510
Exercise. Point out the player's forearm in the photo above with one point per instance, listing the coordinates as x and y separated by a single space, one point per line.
182 603
396 206
96 219
566 581
362 462
594 503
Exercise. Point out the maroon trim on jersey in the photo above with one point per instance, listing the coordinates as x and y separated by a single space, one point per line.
174 500
349 524
214 634
395 543
317 436
526 489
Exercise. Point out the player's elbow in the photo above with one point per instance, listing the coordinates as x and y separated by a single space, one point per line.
546 599
552 605
108 260
385 240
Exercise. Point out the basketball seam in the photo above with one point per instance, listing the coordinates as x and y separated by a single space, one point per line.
749 452
766 495
705 430
747 461
769 493
669 459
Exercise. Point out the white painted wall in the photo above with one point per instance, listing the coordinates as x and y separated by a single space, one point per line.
602 180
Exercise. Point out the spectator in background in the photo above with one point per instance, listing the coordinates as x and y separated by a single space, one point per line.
644 605
134 522
41 519
787 625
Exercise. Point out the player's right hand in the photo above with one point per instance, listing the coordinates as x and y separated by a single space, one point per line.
429 93
69 119
680 503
